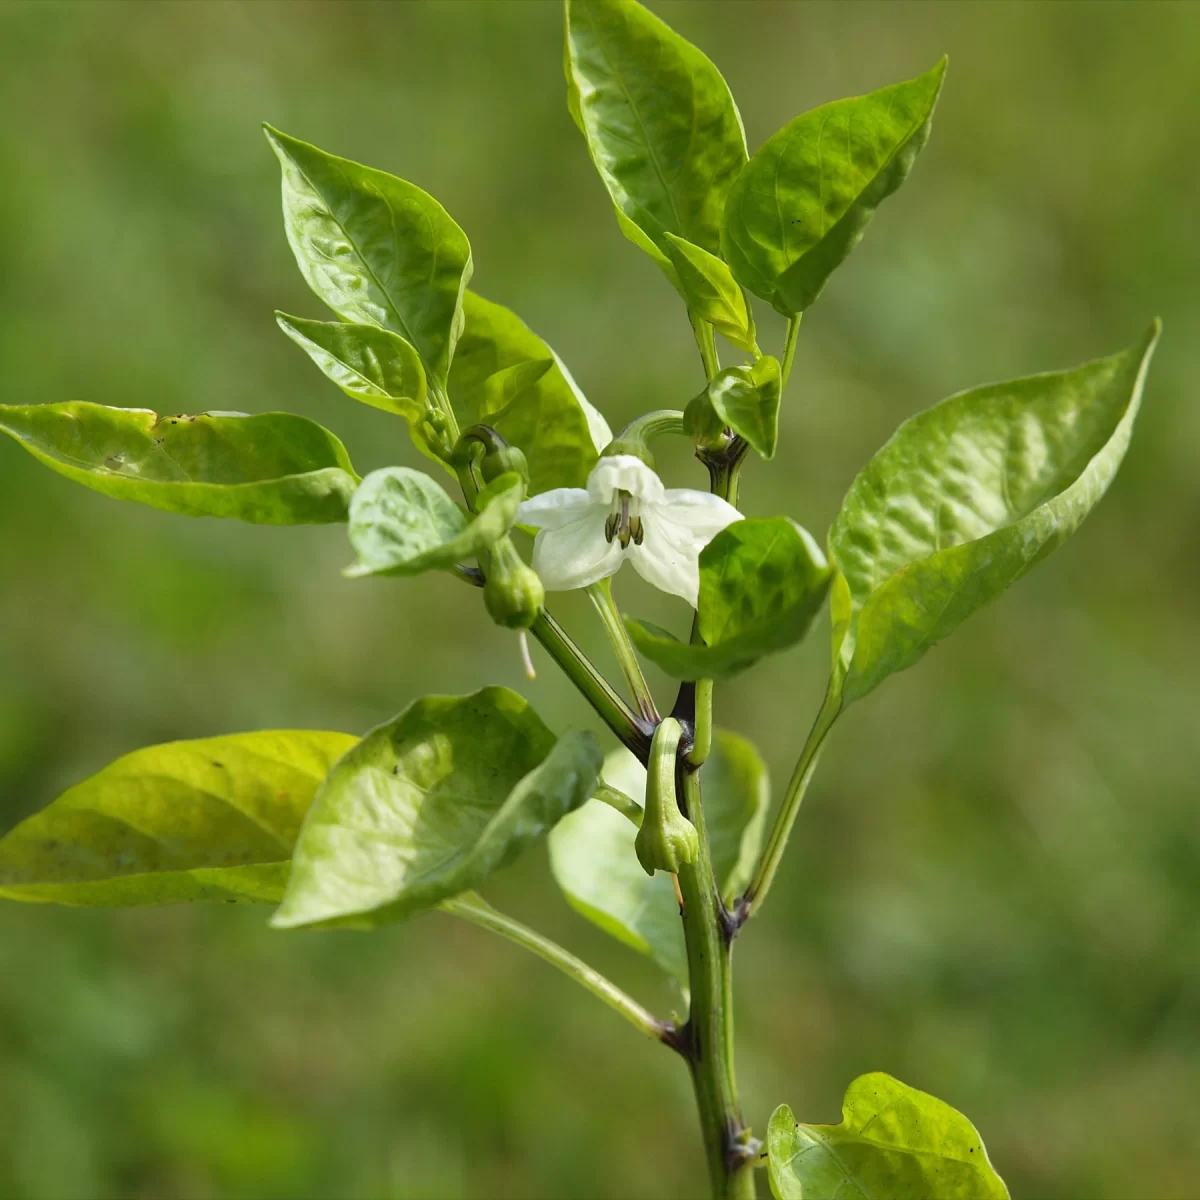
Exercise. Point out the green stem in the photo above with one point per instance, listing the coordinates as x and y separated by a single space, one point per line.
475 909
652 424
797 786
702 726
789 348
706 342
707 1039
598 692
602 599
616 799
724 478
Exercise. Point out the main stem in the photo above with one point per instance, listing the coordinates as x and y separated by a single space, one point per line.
708 929
706 1041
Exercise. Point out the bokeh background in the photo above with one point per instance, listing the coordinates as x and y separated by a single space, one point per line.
994 889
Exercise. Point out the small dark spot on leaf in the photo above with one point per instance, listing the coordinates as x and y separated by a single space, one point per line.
217 764
396 769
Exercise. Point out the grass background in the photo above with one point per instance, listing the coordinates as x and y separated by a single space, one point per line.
994 889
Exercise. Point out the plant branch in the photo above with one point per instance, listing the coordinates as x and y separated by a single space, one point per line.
616 799
706 342
754 895
789 348
473 908
634 731
707 1038
601 597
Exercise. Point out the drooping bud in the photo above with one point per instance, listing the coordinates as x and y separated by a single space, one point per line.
702 424
512 593
667 840
498 456
506 460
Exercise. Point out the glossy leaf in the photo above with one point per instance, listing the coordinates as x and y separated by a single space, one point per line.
804 200
377 249
501 378
894 1143
271 469
430 804
762 582
403 523
746 399
372 365
736 793
594 863
967 497
211 819
659 121
711 292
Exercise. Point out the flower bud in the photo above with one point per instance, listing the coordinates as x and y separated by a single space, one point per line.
502 461
667 839
702 424
512 594
497 458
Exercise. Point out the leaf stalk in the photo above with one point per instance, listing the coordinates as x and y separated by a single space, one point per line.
472 907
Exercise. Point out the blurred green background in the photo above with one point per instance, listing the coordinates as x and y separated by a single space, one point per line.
994 889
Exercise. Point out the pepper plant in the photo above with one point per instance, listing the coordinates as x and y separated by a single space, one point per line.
664 842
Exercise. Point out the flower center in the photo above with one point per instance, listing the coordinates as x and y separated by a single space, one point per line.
623 523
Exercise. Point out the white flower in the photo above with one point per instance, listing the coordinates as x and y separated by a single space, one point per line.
624 513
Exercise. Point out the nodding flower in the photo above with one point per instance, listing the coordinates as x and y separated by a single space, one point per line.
585 535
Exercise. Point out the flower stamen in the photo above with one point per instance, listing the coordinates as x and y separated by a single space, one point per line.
621 524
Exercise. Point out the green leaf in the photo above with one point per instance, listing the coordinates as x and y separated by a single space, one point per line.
711 292
430 804
403 523
372 365
594 863
499 378
659 121
762 582
211 819
376 249
736 793
894 1143
746 399
272 469
965 498
803 201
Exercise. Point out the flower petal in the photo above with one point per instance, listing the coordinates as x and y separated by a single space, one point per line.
669 557
575 555
556 508
625 473
701 512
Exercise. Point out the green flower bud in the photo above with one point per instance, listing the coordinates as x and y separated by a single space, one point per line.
512 594
667 839
702 424
497 457
509 459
